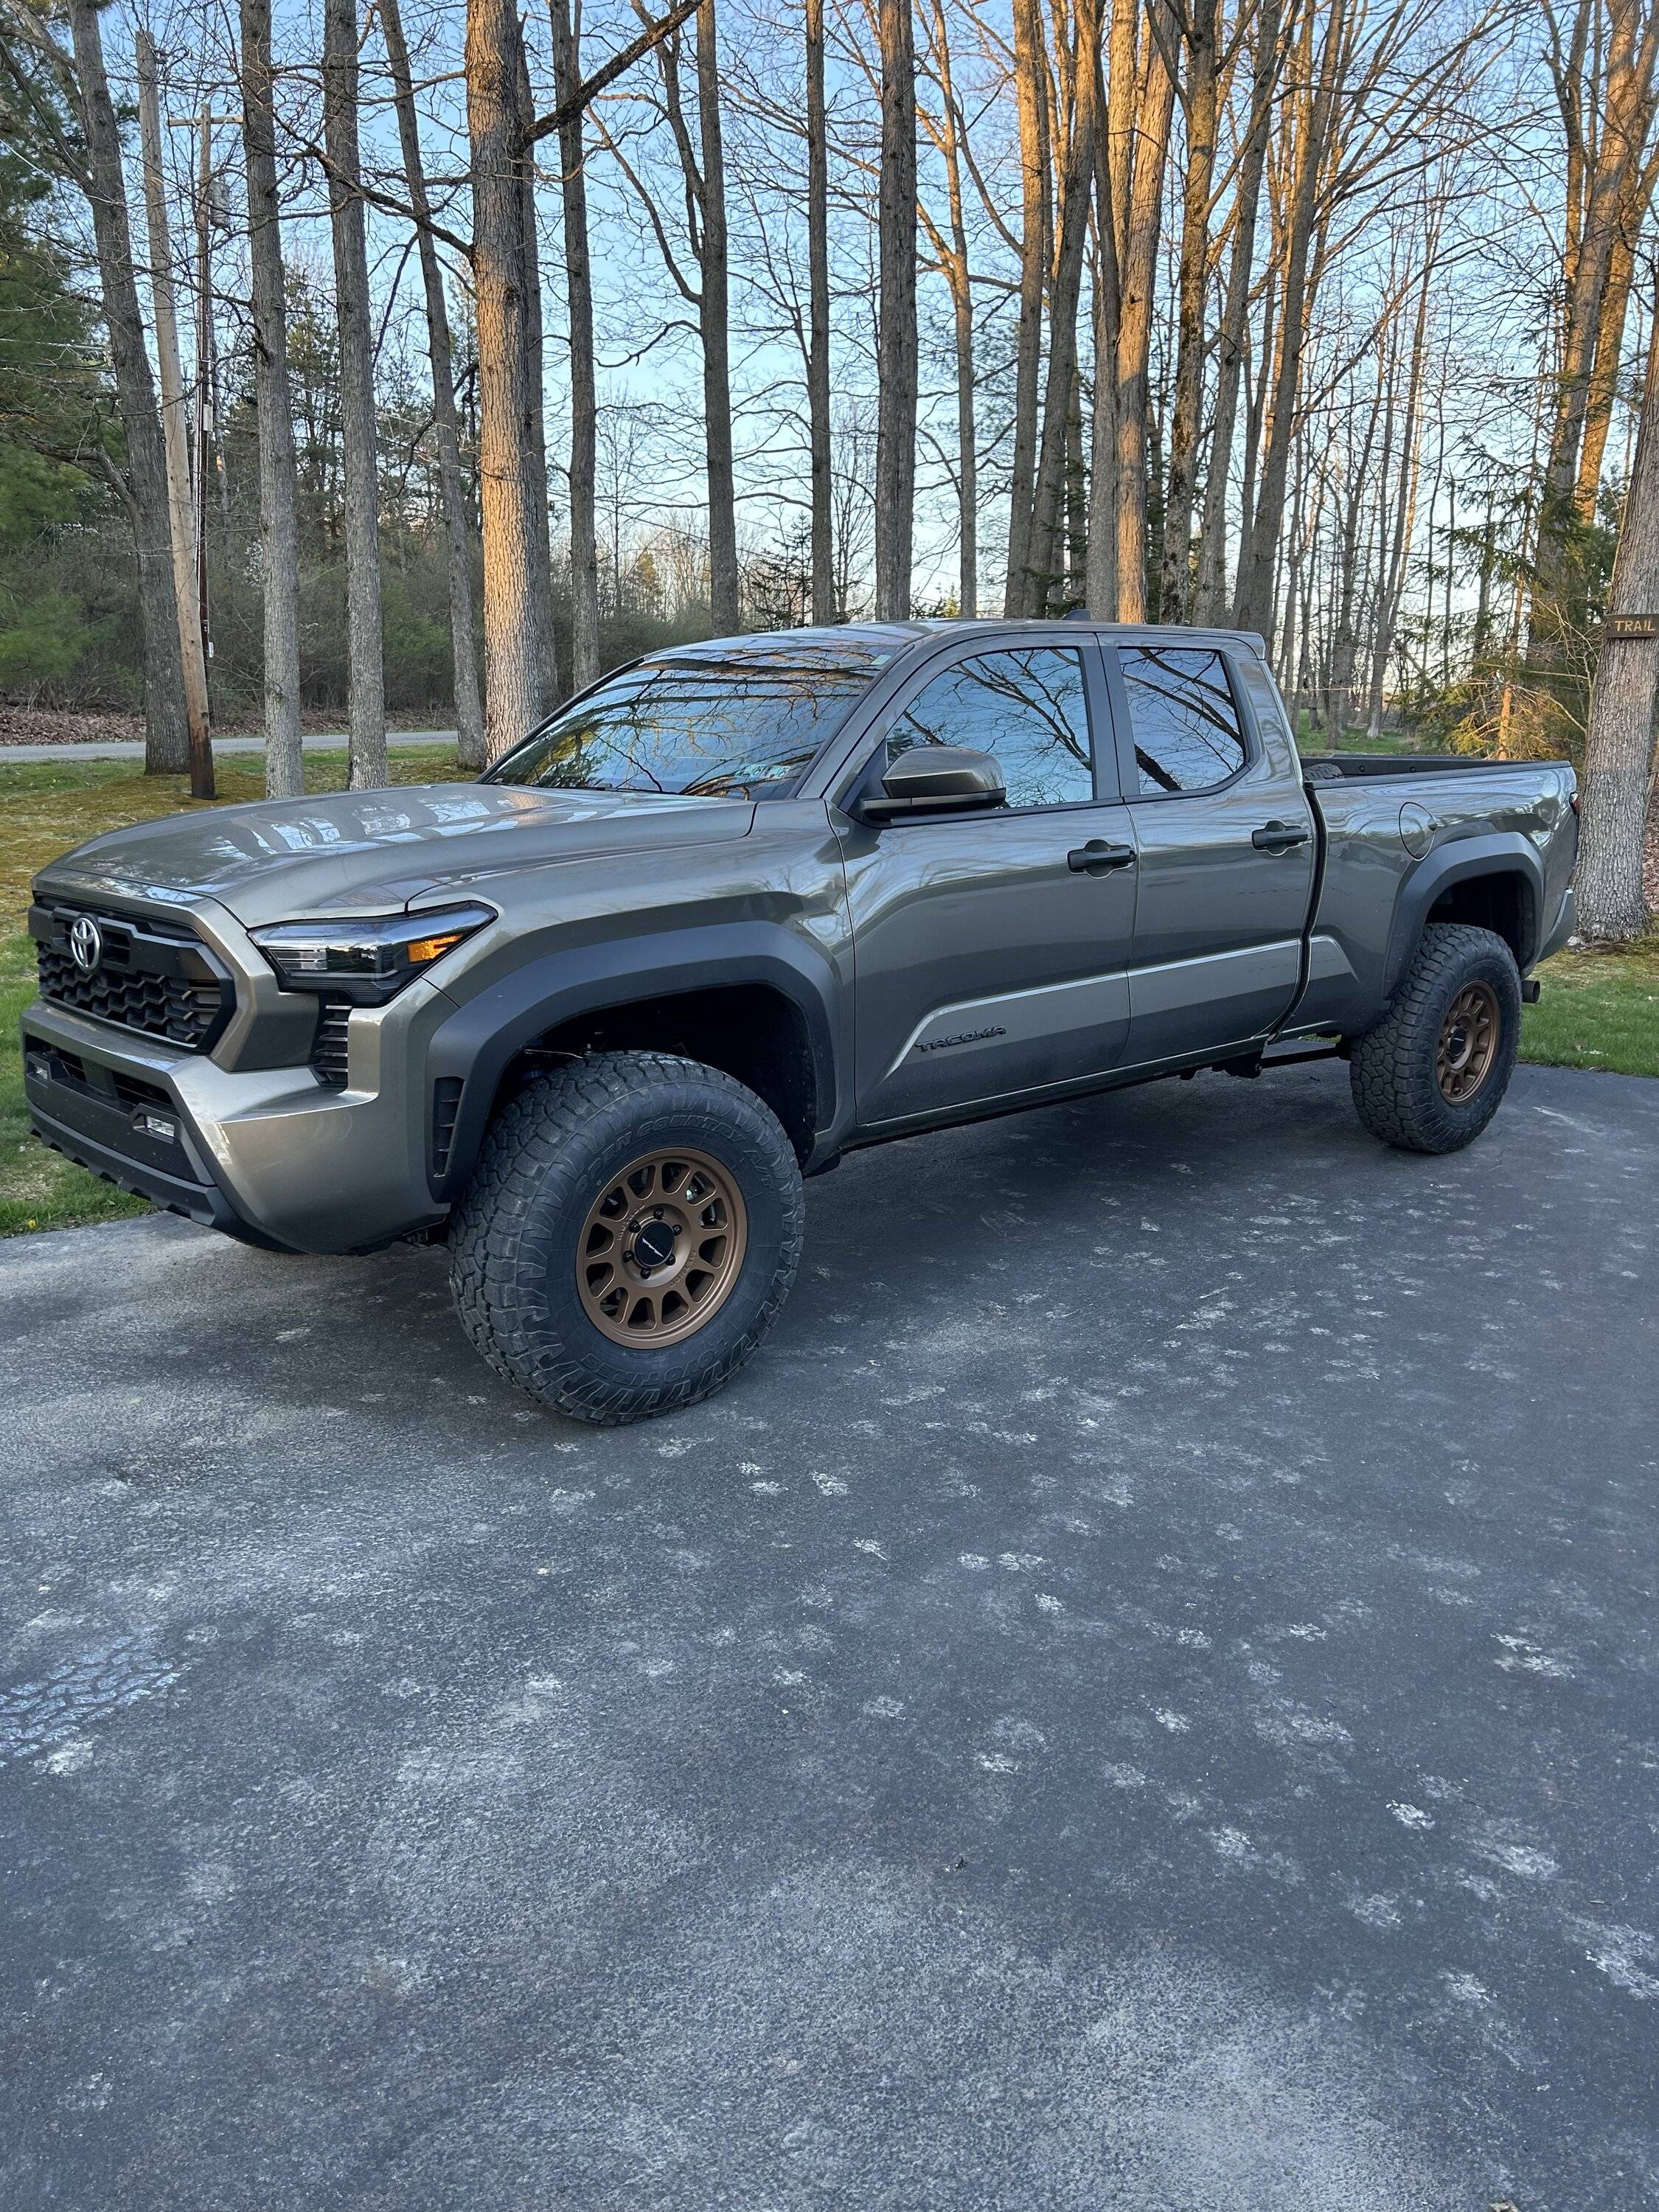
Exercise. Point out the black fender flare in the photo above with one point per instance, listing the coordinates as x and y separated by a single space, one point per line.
475 1045
1462 859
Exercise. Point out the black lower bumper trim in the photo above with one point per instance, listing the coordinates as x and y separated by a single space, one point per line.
85 1130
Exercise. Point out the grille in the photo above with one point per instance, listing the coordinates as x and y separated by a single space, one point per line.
158 982
329 1046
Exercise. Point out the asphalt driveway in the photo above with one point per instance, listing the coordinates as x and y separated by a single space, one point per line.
1143 1698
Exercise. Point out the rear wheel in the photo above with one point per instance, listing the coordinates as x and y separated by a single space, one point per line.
631 1232
1433 1071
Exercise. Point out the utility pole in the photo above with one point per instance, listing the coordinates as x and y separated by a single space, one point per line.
201 770
174 433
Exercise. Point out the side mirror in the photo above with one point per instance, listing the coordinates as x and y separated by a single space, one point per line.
935 780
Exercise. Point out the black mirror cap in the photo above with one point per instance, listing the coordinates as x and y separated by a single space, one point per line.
936 779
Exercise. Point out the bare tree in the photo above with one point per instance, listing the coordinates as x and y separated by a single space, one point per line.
506 496
1317 74
535 372
279 533
584 390
143 486
446 416
1074 131
1202 88
1210 599
1140 102
897 345
175 431
702 178
706 187
818 346
1029 94
364 665
947 131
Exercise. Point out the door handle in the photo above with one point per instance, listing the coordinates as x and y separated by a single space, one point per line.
1098 857
1279 837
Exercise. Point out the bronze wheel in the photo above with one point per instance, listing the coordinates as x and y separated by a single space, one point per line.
661 1246
1469 1038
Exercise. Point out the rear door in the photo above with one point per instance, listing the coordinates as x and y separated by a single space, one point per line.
1226 853
992 949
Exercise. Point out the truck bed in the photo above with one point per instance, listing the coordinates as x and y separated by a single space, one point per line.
1362 767
1397 832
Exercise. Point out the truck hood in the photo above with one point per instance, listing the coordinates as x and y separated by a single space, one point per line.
376 851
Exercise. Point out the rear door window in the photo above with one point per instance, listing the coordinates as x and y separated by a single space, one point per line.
1182 718
1026 707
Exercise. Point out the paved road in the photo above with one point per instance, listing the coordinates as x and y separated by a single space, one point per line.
1144 1697
132 748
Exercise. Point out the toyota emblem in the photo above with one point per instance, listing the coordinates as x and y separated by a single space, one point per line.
86 942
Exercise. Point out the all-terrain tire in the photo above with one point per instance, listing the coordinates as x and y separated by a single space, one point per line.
1394 1069
547 1160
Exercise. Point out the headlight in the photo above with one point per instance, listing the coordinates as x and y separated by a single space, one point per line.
368 960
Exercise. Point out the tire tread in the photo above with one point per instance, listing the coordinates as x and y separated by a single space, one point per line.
527 1148
1387 1067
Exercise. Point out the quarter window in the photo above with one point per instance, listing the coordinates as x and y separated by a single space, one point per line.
1027 708
1181 717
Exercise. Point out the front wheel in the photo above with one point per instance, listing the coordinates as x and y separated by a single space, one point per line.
633 1227
1433 1071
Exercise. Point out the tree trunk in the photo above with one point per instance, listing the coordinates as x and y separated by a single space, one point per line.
1211 603
1254 605
956 268
507 496
365 666
1045 564
1618 742
817 344
1102 550
166 744
1137 145
1203 97
1033 279
713 322
279 530
584 394
469 710
535 424
896 358
175 428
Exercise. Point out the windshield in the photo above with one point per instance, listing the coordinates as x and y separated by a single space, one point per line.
740 721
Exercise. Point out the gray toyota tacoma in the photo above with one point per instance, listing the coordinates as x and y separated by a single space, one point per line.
743 907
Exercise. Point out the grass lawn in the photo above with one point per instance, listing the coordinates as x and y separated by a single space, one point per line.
1599 1010
46 806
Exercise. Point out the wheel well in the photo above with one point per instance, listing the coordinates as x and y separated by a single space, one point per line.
748 1029
1501 902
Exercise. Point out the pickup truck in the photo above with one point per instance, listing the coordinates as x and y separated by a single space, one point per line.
743 907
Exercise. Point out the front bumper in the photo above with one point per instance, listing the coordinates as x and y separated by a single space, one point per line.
269 1155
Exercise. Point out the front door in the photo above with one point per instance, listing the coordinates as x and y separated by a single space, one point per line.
992 949
1225 840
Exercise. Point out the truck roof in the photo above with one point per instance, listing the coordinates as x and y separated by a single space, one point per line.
893 637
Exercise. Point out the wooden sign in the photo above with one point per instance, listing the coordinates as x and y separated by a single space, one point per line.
1621 629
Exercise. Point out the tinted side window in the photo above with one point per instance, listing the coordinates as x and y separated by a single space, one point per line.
1181 716
1026 707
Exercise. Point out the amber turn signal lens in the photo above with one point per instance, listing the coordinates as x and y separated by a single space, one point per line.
428 948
